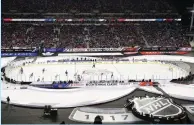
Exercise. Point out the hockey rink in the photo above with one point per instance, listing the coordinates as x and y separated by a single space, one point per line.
102 71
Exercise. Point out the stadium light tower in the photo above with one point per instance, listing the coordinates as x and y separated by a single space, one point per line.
191 9
192 16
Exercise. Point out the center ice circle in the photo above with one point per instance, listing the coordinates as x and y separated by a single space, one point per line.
102 71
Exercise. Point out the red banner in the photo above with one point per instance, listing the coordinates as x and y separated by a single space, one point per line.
160 53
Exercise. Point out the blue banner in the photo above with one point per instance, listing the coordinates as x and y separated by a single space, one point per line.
159 20
53 50
18 54
60 86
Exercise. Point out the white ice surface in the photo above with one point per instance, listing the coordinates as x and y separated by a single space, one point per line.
121 71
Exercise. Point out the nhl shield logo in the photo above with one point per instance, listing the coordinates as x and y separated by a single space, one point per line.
156 108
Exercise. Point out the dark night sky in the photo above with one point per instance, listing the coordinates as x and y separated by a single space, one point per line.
181 6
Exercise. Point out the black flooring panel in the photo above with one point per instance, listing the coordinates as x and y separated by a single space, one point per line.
20 115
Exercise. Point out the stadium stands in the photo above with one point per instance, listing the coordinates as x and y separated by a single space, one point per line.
105 6
80 36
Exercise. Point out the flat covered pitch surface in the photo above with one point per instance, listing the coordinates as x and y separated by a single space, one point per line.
19 115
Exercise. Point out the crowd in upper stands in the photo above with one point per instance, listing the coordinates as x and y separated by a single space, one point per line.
137 6
103 36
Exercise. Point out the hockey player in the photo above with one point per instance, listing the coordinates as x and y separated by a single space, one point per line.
78 77
31 75
93 66
56 77
66 73
42 79
43 70
112 75
75 74
21 70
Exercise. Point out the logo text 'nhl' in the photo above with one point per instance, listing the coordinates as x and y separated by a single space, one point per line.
154 106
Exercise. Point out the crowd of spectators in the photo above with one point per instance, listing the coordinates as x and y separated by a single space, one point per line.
169 34
102 36
185 80
137 6
13 35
